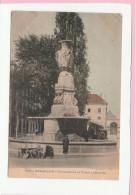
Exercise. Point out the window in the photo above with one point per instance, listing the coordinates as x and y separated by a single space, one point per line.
99 118
99 109
89 110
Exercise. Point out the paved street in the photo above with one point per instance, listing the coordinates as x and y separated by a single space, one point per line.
101 161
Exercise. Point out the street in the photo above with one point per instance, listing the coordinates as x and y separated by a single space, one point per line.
97 161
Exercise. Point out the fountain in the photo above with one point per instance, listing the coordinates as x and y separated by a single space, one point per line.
64 115
64 118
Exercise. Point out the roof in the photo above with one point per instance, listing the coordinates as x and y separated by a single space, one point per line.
94 98
110 115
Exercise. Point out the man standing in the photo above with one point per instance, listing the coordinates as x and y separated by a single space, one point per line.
65 144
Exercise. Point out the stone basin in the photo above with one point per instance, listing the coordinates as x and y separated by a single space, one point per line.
65 125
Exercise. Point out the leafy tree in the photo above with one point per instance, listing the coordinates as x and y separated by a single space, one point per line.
69 26
37 72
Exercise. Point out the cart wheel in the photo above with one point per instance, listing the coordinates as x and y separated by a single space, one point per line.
37 153
34 154
29 154
41 154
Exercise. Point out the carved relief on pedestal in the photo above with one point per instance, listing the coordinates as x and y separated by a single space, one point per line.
74 101
69 99
59 98
65 98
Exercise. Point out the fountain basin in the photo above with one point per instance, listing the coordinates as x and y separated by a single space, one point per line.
63 125
75 148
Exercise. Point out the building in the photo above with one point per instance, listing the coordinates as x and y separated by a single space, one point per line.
96 109
113 125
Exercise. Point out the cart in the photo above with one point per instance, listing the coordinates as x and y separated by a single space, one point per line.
31 152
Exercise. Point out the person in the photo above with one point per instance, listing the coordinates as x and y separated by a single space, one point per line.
49 152
86 136
65 144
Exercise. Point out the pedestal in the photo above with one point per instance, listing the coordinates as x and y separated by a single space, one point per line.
64 110
51 127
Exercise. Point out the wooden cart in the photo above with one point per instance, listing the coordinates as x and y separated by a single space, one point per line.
31 152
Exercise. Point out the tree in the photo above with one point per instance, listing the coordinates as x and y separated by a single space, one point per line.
37 72
70 26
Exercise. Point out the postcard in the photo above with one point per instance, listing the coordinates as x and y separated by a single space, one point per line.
69 102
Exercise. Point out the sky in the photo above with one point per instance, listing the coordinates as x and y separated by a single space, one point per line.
104 35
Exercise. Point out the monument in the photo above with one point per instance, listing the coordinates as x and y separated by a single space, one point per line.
64 115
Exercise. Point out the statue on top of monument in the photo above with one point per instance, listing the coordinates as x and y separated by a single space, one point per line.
64 56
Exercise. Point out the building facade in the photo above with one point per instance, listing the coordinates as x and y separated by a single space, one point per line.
113 125
96 109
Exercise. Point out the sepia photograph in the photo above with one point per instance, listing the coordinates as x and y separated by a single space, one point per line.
65 95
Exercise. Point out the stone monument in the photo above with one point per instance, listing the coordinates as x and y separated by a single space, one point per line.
64 107
64 102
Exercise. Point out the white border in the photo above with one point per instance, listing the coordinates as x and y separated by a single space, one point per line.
80 187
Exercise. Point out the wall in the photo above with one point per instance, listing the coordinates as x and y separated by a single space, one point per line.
113 120
94 114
